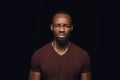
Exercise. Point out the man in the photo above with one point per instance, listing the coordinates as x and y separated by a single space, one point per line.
60 59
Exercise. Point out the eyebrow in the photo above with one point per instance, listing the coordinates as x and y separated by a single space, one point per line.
61 24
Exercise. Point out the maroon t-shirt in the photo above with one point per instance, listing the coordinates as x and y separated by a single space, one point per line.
53 66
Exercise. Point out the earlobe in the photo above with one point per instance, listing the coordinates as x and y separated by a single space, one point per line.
51 27
72 28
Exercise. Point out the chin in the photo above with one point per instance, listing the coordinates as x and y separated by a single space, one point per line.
62 41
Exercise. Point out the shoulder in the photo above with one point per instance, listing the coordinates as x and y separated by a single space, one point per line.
82 54
39 52
80 51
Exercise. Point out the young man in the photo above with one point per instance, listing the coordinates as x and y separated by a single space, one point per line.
60 59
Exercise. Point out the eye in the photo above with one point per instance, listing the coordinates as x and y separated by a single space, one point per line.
64 25
67 25
56 25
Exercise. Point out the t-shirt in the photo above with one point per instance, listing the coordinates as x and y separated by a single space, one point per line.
53 66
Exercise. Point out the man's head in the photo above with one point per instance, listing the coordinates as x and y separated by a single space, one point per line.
61 26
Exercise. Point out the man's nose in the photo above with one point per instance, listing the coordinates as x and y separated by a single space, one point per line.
62 28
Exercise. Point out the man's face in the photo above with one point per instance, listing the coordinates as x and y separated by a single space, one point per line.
61 26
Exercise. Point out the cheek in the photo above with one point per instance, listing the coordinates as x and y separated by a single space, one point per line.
68 31
55 30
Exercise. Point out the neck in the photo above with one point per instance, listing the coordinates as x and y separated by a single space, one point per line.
60 49
60 45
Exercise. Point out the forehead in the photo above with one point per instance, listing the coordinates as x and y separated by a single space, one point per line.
62 18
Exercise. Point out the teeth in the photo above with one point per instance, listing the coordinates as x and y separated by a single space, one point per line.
61 35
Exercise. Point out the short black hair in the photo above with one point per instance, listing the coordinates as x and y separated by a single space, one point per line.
63 12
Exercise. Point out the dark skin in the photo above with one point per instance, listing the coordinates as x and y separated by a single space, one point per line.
61 28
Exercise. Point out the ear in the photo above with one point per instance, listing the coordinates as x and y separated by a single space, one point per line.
51 27
72 28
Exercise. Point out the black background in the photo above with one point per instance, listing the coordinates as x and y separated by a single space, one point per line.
25 28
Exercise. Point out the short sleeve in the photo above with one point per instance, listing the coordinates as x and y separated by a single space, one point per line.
35 64
86 63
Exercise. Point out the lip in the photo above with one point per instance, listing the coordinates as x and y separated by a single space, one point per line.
61 37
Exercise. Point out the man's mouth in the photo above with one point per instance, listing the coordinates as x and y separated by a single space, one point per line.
62 36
